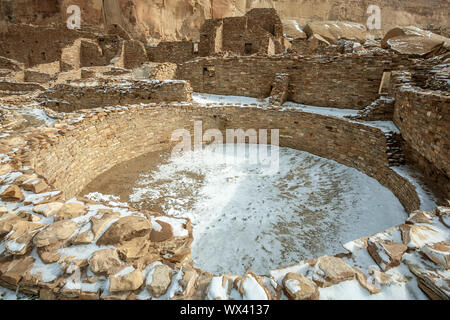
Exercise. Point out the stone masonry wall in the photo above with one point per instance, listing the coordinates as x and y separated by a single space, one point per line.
423 116
37 45
94 94
350 82
171 51
101 142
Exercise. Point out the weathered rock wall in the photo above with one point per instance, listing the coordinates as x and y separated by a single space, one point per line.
178 20
102 141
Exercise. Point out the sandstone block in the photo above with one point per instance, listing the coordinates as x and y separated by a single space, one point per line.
298 287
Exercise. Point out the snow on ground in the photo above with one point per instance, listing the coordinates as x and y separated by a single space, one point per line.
428 201
6 294
385 126
263 221
204 98
39 114
334 112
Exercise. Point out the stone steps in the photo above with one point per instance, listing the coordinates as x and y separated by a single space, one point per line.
394 150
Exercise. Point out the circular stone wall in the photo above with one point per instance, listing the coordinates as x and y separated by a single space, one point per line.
257 219
103 139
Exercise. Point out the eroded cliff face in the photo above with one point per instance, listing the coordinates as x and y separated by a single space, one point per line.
152 20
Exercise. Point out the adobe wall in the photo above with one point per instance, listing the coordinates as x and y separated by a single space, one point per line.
99 142
350 81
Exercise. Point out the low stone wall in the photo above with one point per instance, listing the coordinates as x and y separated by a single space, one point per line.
94 94
350 81
102 141
11 88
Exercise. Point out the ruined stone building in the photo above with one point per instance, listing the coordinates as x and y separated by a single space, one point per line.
76 104
259 31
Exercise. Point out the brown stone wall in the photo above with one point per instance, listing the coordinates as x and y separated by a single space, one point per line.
19 87
350 82
36 76
133 55
102 141
280 88
233 28
156 71
211 37
83 53
259 31
173 51
10 64
423 116
37 45
75 96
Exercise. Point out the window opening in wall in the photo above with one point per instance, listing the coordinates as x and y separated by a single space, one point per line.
248 48
195 47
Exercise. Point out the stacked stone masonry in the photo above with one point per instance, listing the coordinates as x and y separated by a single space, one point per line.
259 31
423 116
350 82
91 94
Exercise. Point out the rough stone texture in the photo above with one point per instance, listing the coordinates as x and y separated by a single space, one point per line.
366 283
332 31
13 88
70 210
423 115
13 193
334 270
308 289
172 51
280 88
125 229
70 97
83 53
156 71
164 234
59 231
133 55
381 109
292 30
128 282
309 78
259 31
48 209
160 280
385 253
105 262
439 253
415 41
61 155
